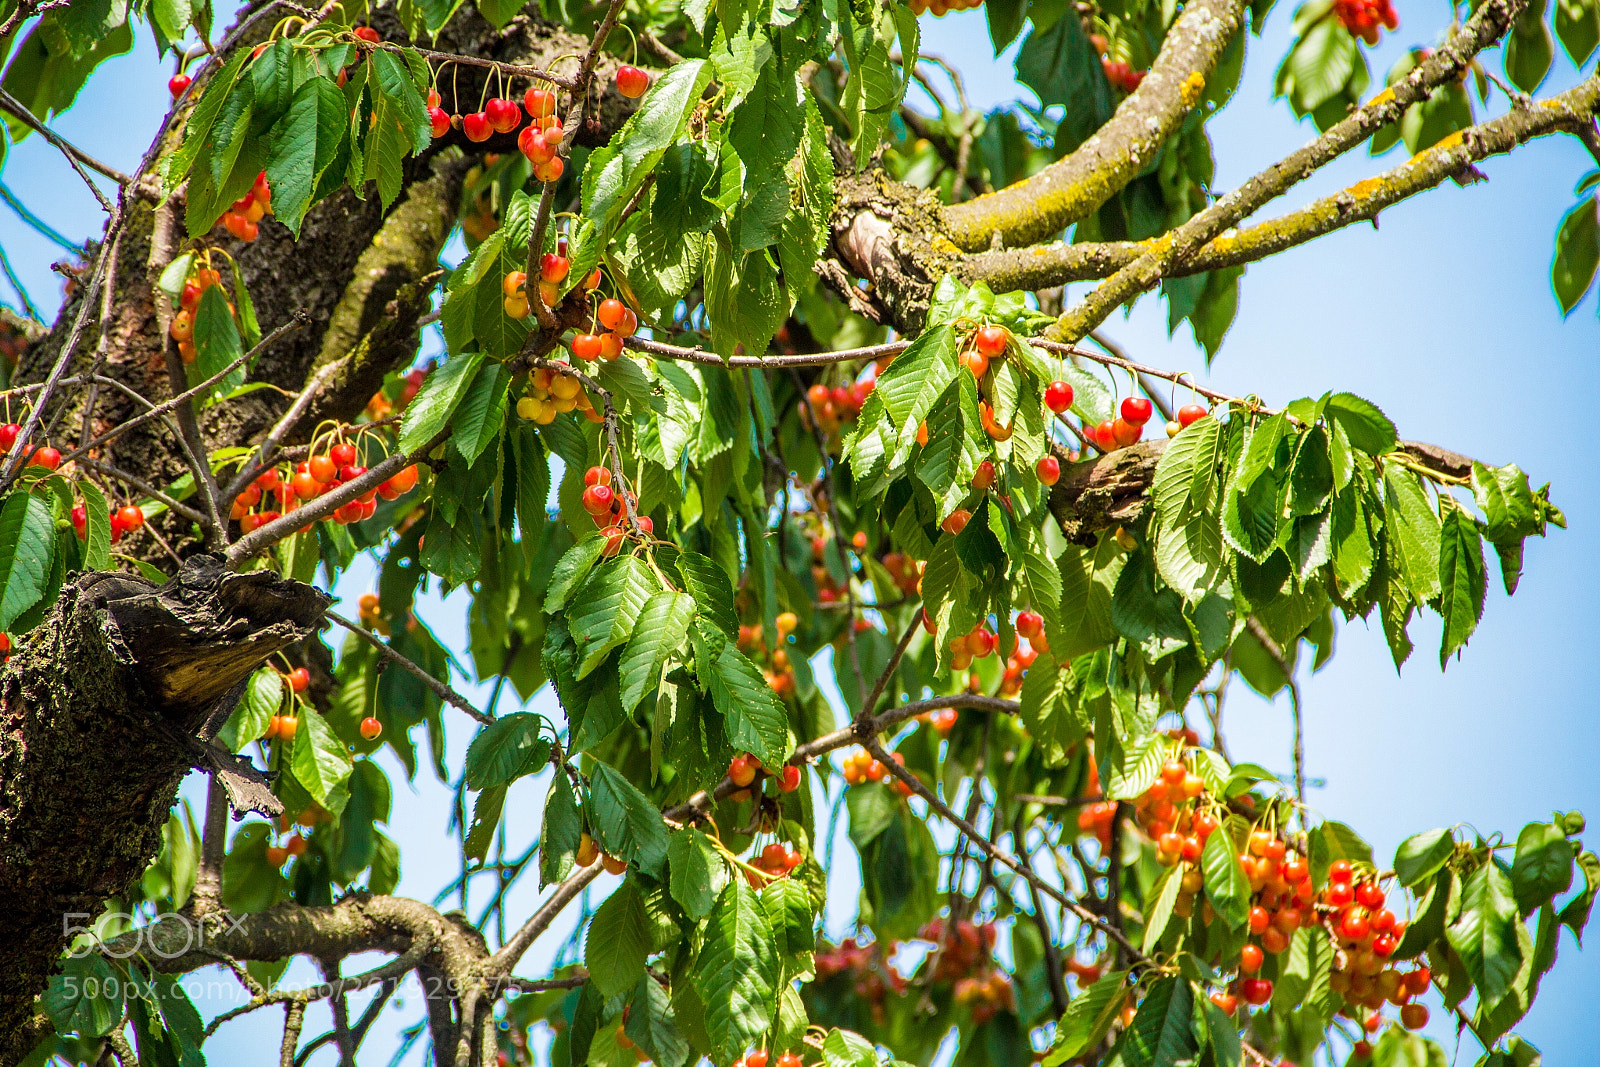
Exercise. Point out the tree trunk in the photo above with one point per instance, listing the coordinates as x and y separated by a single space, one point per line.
103 709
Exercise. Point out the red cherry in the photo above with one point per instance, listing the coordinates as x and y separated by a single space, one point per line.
791 779
553 268
1383 945
991 340
983 478
1136 410
8 434
1255 990
132 517
976 362
1339 894
586 346
758 1058
1260 919
1250 959
1340 871
597 476
1029 624
541 103
1125 433
476 126
367 33
343 454
1368 895
1190 414
632 82
47 457
956 521
1104 436
1413 1016
1355 925
438 122
177 84
80 521
1227 1003
299 679
550 170
322 468
597 499
1058 397
370 728
504 115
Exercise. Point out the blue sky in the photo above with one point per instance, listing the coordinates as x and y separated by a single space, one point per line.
1442 315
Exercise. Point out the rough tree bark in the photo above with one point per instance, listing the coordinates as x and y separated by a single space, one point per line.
99 707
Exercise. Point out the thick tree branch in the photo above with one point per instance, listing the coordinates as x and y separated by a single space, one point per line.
1043 205
1485 26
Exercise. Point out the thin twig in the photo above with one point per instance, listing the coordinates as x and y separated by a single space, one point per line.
441 690
299 319
144 487
294 1017
75 155
999 855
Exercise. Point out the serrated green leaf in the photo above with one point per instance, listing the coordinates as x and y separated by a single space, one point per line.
505 750
320 761
1577 253
1227 889
1484 933
625 822
1088 1018
27 550
1462 580
737 971
608 607
442 391
617 943
699 873
560 832
1420 856
1543 865
754 717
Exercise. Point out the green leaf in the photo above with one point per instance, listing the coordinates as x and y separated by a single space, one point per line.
1578 27
1577 253
699 873
1484 933
250 718
399 123
913 381
197 127
755 719
86 998
1226 886
1529 48
27 549
1576 912
639 145
846 1048
625 822
1160 912
652 1024
788 905
561 832
1413 532
1189 550
1461 578
662 631
1543 865
1059 64
303 144
1420 856
1364 424
216 340
476 421
97 516
320 760
713 594
442 391
1088 1018
1161 1035
505 750
486 812
571 571
617 943
606 611
737 972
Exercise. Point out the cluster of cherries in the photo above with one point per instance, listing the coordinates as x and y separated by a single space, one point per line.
540 141
964 955
777 672
550 392
614 320
860 767
311 478
834 407
371 614
759 1058
380 406
589 850
553 270
124 520
1368 935
608 508
1361 18
1017 665
875 977
295 845
744 770
181 328
775 861
243 217
1118 72
284 725
46 457
906 572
